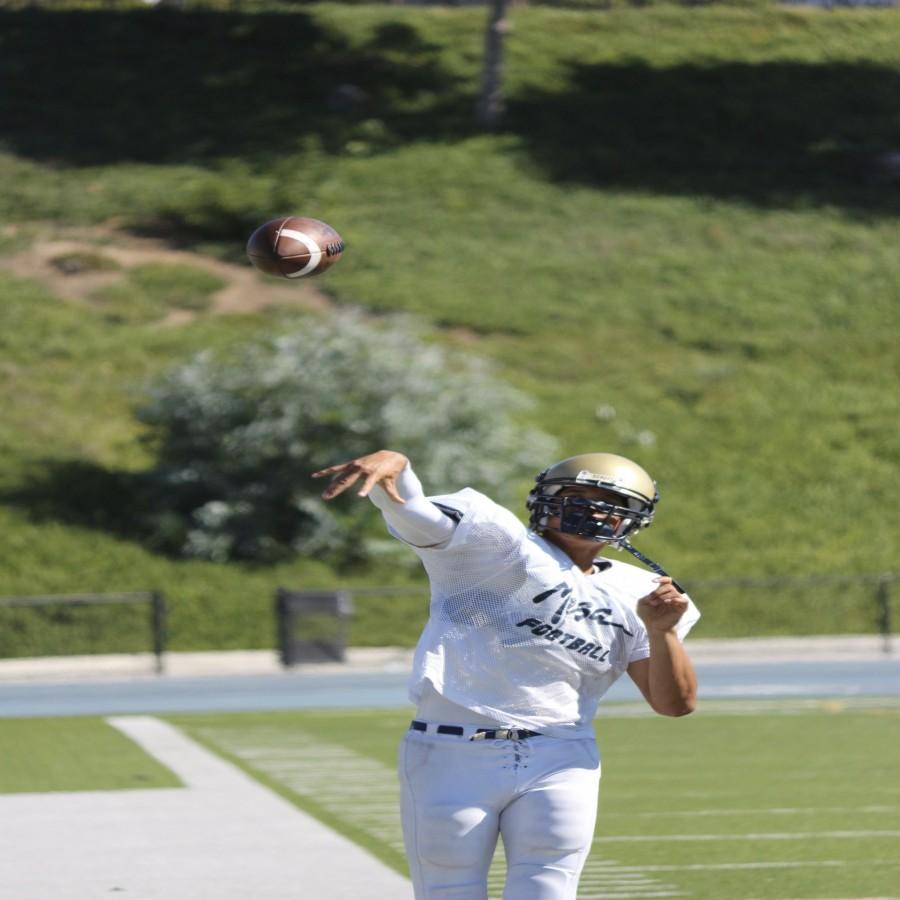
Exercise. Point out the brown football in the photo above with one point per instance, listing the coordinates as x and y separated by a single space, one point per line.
294 247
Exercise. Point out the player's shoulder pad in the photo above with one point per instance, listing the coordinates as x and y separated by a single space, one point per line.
451 513
640 582
628 572
457 504
474 506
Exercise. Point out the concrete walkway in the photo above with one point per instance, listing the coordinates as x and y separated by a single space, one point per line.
399 659
223 835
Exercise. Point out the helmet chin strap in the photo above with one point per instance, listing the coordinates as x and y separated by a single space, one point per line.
656 567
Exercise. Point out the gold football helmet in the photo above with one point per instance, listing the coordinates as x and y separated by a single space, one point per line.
629 502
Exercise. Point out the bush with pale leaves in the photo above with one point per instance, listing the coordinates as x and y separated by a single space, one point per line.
238 435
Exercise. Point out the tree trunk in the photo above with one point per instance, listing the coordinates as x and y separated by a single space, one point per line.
490 103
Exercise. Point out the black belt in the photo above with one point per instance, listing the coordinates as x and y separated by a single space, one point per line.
481 734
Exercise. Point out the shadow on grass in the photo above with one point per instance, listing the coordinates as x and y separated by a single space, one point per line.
165 87
768 133
148 509
83 494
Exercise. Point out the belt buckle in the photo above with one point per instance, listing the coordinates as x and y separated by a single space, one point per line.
496 734
500 734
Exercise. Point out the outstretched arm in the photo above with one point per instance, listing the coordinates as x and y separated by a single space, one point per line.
391 484
667 678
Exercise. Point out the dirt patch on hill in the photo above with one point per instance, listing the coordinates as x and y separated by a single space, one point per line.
74 263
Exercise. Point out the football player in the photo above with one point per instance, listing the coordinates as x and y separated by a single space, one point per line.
528 628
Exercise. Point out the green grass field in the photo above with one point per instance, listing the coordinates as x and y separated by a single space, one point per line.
78 754
678 243
771 804
740 801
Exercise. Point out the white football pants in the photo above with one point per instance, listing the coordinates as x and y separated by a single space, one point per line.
457 795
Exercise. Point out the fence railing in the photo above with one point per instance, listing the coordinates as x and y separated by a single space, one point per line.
731 607
384 615
804 604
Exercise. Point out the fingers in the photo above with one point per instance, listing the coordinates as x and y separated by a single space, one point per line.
368 484
662 609
655 599
390 488
387 482
666 586
347 478
665 593
375 469
331 470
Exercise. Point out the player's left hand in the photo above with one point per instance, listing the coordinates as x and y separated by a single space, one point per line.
662 609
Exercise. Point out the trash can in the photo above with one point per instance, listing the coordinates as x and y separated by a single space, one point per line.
312 625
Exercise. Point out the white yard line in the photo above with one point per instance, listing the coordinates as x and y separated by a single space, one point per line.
222 835
771 811
748 836
727 867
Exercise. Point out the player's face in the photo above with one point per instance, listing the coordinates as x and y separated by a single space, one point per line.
582 550
589 493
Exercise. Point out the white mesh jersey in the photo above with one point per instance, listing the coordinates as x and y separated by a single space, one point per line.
517 632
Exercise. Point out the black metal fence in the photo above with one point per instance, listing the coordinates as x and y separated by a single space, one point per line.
319 625
737 607
799 605
312 625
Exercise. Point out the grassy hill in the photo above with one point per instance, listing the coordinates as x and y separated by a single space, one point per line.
680 242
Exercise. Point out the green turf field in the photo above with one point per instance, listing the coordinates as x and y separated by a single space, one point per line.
78 754
795 802
742 800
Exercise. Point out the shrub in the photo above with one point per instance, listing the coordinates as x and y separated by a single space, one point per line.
238 435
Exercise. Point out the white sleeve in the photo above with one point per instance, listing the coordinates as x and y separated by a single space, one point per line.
417 521
688 620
